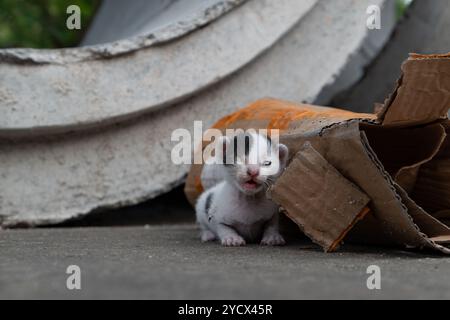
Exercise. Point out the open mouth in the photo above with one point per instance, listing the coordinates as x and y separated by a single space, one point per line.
250 185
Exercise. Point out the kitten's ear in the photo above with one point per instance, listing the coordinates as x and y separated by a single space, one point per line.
283 153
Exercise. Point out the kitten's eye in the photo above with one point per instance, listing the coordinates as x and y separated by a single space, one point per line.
267 163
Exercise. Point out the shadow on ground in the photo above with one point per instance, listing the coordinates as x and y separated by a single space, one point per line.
171 207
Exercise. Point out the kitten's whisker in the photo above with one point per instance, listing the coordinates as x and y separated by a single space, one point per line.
267 184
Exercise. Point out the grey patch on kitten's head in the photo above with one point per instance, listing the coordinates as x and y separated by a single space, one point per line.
252 161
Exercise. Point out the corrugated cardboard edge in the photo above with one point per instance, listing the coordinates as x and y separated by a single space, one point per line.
371 234
337 214
436 231
341 145
406 106
371 231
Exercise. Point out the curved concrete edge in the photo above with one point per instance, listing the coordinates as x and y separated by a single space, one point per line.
120 47
49 99
52 179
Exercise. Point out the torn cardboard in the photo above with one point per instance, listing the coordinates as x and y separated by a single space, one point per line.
422 93
373 180
339 206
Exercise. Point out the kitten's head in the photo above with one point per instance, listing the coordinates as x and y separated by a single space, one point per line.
252 161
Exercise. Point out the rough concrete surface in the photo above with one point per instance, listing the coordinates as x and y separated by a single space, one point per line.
152 19
169 262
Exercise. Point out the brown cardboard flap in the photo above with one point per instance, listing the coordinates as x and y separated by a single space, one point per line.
443 216
432 190
419 56
443 240
434 229
402 151
347 149
323 203
422 95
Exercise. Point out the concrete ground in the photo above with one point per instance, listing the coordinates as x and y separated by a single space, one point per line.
169 262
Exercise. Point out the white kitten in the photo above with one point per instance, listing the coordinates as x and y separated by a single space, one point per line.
236 209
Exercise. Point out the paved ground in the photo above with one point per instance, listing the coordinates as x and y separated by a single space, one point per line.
170 262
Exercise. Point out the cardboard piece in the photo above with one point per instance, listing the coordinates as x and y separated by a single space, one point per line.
432 190
338 203
396 165
422 93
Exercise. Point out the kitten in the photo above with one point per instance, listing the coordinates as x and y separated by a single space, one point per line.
236 210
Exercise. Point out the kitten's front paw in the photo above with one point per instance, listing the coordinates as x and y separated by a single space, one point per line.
233 241
275 239
207 236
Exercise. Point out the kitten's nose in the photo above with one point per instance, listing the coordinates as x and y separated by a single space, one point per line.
253 171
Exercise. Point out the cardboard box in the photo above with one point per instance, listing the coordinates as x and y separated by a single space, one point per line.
360 177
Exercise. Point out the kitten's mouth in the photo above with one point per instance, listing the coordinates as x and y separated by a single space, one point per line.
251 185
